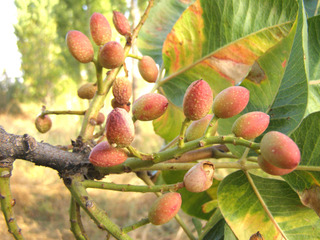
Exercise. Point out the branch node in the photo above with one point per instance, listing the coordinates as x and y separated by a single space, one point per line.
29 143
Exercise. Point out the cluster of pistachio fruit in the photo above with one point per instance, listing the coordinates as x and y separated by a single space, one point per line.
278 154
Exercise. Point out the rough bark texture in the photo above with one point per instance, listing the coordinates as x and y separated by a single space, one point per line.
27 148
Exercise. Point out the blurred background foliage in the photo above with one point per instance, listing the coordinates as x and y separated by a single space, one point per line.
48 69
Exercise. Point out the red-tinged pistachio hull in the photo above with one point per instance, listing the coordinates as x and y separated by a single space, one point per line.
80 46
271 169
197 100
149 106
199 177
120 128
100 29
197 128
230 102
43 123
122 90
280 150
121 23
251 125
148 69
111 55
165 208
104 155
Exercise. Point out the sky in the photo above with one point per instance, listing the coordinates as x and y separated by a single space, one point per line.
9 54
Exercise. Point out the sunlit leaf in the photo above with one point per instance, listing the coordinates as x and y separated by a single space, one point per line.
245 215
161 19
314 64
282 87
220 40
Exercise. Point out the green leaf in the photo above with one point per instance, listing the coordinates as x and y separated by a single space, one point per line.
197 224
168 125
217 232
314 64
159 23
220 40
245 215
312 7
282 92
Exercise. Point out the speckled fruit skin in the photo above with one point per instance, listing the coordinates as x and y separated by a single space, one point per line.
148 69
120 128
121 23
122 90
80 46
104 155
251 125
149 106
43 124
100 29
125 106
87 91
165 208
197 100
230 101
111 55
271 169
280 150
199 177
197 128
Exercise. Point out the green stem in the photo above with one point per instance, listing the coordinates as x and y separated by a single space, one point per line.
132 164
176 151
184 127
264 205
99 75
187 166
63 112
134 56
136 225
211 125
80 194
75 220
7 202
131 188
144 177
243 158
170 144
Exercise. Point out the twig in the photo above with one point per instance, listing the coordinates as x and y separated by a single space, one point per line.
131 188
75 221
136 225
6 200
80 194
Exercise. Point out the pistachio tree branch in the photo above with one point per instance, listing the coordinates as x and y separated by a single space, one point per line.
81 196
131 188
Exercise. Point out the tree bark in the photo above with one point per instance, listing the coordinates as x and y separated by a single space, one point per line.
27 148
